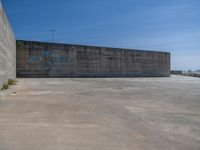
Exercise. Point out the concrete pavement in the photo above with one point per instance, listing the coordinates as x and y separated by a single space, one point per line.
101 114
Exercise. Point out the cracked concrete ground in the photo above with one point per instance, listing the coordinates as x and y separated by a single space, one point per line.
101 114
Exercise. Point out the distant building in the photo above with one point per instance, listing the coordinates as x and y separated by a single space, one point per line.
177 72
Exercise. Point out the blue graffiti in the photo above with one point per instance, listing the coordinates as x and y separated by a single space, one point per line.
46 53
60 58
51 56
33 59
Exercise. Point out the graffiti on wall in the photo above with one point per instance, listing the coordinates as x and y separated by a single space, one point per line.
33 59
51 56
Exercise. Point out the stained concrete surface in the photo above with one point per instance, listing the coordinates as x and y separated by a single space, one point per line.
96 114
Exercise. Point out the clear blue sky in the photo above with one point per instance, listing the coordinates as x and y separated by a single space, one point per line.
169 25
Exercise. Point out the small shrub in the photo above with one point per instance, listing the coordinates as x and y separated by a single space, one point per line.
11 82
5 86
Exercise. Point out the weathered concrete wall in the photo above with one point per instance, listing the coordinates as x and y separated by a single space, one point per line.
38 59
7 49
176 72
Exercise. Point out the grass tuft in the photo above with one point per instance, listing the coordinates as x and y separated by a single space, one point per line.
5 86
12 82
9 83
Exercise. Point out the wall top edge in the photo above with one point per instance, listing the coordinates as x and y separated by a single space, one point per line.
91 46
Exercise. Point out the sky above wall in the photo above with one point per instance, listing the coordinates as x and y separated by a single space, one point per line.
163 25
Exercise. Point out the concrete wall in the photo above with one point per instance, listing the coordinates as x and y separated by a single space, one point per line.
7 49
38 59
176 72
